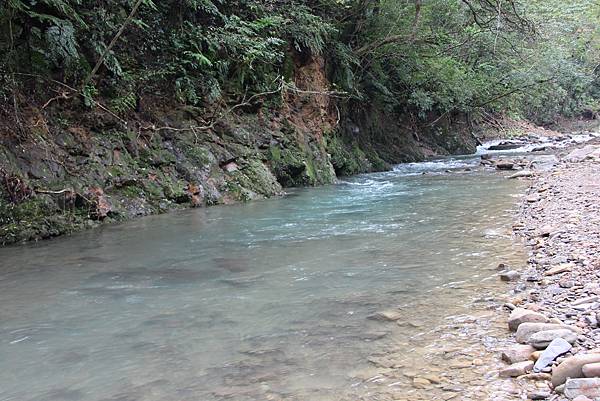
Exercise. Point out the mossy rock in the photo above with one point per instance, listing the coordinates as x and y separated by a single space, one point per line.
36 218
349 159
253 181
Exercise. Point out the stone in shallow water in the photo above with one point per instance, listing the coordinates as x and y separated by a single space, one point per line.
517 369
386 315
511 275
505 165
557 347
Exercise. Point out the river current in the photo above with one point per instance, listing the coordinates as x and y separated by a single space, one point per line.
271 300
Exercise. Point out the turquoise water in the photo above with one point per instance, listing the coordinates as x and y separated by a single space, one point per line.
263 301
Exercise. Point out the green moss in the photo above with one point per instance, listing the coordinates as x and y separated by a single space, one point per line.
347 159
253 181
33 219
275 153
153 190
173 188
199 155
131 191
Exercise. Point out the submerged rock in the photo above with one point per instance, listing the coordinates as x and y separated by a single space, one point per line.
511 275
386 315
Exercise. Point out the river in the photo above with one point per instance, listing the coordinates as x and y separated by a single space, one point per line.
271 300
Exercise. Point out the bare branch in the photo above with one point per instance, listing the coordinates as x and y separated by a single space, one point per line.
111 44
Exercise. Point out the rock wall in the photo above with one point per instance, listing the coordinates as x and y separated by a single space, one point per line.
372 139
73 168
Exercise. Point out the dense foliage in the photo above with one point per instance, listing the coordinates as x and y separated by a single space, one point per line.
536 59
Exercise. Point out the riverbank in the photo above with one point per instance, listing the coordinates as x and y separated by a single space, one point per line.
555 298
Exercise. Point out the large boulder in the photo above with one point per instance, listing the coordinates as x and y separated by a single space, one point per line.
572 367
522 315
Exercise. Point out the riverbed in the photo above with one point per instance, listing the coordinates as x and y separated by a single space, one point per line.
271 300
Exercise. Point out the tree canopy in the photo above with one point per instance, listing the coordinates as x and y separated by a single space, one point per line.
535 59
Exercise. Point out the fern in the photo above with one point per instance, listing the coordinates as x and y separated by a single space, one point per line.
123 105
62 46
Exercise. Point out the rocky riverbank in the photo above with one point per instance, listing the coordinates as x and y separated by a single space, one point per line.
555 301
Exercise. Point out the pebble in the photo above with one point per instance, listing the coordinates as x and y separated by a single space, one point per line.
522 173
538 395
560 221
581 398
562 268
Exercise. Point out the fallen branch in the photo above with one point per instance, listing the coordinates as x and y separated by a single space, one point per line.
49 192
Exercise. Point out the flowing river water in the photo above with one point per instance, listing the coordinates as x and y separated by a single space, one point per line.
271 300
